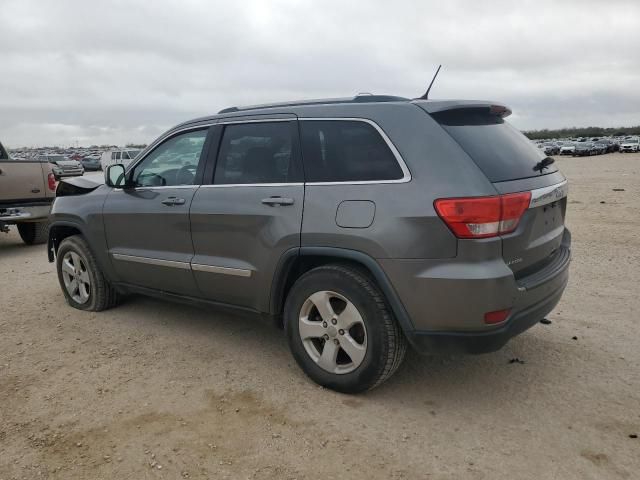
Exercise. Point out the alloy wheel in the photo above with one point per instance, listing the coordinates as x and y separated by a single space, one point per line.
333 332
76 277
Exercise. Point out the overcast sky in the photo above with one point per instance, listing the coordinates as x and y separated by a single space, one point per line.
92 71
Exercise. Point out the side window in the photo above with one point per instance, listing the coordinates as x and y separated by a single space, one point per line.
115 156
257 153
346 151
124 156
173 162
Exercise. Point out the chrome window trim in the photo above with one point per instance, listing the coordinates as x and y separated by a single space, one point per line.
546 195
158 187
406 173
226 185
151 261
237 272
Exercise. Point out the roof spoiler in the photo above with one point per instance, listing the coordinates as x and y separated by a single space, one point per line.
435 106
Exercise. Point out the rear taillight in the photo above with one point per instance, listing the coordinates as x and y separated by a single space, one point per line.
51 181
483 217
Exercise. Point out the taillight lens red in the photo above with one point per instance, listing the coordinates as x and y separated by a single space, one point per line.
498 316
483 217
51 180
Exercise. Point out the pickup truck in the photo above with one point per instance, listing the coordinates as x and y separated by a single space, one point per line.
27 190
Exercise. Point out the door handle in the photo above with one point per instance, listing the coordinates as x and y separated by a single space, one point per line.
173 201
273 201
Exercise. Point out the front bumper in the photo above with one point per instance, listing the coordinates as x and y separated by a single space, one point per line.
68 172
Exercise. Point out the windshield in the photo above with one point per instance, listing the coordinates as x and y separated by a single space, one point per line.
56 158
500 150
133 153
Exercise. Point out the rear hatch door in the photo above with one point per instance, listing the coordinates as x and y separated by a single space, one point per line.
512 163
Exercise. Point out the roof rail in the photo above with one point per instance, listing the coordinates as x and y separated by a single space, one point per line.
360 98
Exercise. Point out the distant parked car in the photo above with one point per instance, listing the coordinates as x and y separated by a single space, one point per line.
606 145
550 148
567 148
91 163
628 146
584 149
122 156
62 166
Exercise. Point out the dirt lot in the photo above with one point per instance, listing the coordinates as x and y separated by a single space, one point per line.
156 390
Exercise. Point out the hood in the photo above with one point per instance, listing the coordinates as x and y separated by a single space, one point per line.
78 185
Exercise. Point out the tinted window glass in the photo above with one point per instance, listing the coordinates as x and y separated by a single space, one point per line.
501 151
173 162
346 151
3 154
257 153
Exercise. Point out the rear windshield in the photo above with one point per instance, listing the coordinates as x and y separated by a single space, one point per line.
501 151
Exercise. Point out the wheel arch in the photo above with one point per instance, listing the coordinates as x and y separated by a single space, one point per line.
297 261
58 231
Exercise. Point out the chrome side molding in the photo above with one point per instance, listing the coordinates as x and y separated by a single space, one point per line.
238 272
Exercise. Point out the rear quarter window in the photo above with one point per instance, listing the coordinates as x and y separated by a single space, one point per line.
500 150
346 151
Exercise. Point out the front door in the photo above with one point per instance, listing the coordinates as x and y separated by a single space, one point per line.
147 225
249 214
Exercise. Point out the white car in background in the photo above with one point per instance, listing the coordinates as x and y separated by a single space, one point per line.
567 148
123 156
630 145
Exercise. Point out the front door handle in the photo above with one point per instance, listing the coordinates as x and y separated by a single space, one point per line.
173 201
273 201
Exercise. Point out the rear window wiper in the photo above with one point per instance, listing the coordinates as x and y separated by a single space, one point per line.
542 164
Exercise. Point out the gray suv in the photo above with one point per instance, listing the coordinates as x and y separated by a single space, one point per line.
359 225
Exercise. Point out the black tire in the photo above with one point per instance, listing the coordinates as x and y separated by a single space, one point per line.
386 345
33 233
102 294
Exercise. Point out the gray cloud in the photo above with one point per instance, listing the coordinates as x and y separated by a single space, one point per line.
123 71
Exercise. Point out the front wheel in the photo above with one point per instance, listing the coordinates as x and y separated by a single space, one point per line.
340 330
83 283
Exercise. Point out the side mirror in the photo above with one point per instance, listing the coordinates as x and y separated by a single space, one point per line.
115 176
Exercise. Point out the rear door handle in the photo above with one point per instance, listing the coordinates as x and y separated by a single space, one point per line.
273 201
173 201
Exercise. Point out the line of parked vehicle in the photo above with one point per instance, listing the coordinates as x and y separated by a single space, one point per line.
582 147
72 164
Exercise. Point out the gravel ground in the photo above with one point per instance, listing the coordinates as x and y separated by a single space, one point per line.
157 390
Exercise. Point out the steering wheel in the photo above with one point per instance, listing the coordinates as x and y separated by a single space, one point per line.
186 175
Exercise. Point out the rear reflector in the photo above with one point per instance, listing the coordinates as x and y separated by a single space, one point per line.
51 181
496 317
483 217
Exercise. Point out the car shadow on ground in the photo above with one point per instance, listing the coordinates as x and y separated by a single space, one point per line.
465 379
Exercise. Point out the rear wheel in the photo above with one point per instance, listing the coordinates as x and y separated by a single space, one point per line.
33 233
340 330
83 283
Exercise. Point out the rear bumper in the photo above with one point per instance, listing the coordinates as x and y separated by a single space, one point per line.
446 300
489 341
25 213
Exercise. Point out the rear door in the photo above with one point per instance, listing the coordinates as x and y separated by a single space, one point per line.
147 226
512 163
250 214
